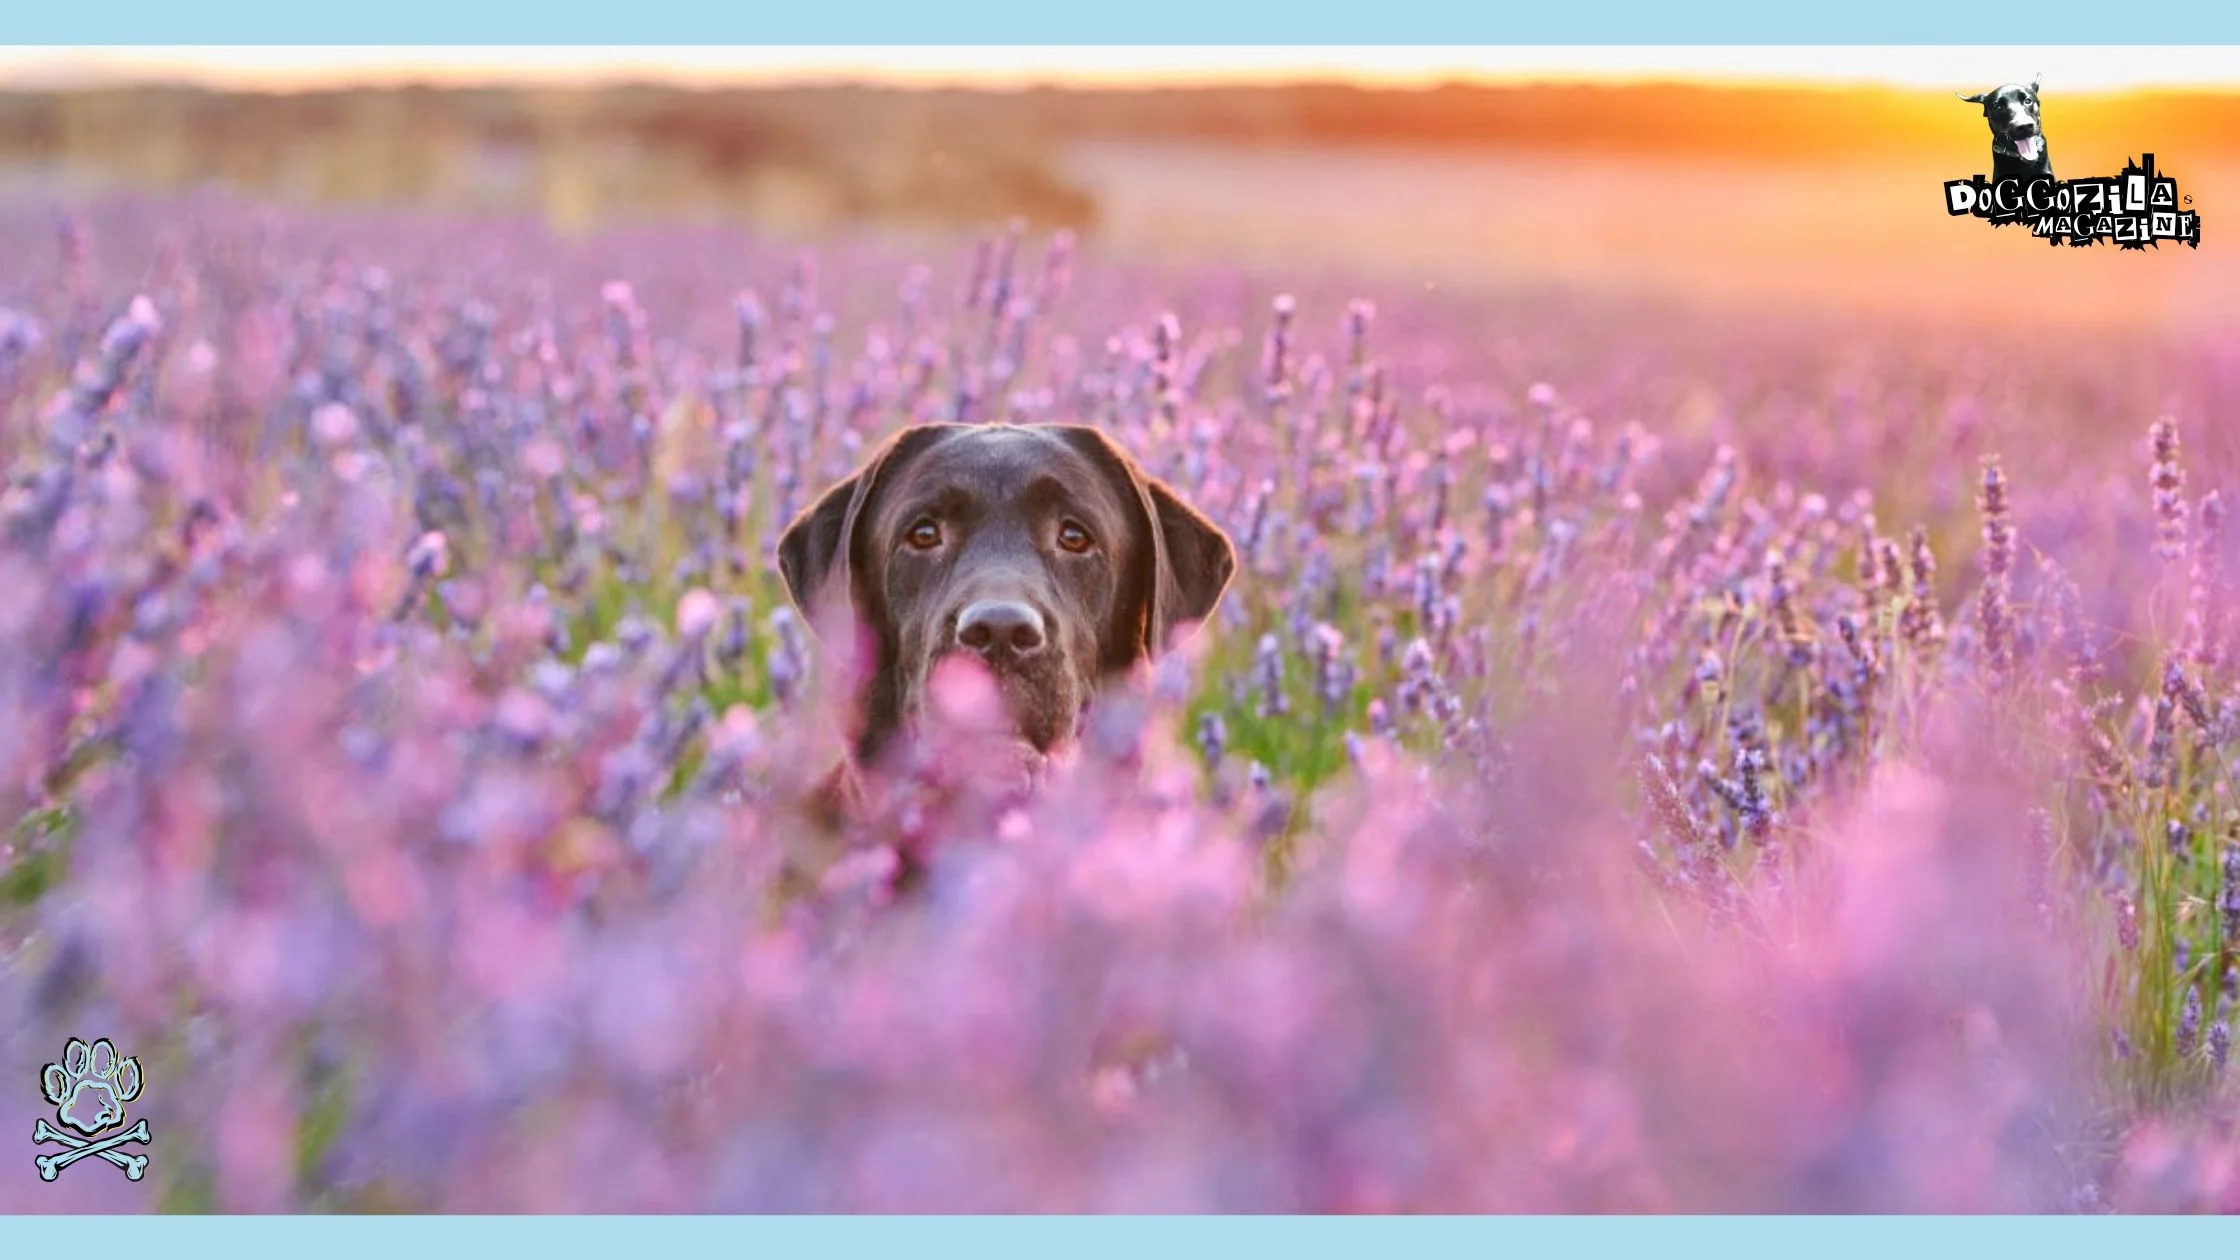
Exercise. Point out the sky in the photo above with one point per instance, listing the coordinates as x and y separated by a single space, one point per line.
2075 69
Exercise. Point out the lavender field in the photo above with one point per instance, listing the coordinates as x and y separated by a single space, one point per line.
1650 759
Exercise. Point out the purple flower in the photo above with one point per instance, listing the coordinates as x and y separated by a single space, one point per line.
2168 480
1995 615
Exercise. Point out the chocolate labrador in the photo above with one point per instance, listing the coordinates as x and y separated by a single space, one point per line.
1042 551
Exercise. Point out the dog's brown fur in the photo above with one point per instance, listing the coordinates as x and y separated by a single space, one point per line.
1007 505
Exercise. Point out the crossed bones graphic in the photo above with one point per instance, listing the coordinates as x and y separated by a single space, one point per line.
51 1166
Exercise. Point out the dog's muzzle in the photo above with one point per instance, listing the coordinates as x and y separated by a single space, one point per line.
2029 142
1002 632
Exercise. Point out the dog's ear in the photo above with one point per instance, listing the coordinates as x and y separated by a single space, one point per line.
1200 562
1977 99
816 552
2034 84
815 542
1191 560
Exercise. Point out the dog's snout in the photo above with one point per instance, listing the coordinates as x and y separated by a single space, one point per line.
1001 627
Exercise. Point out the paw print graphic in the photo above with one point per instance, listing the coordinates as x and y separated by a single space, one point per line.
91 1085
89 1089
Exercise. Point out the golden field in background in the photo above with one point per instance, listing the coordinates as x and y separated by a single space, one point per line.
1751 194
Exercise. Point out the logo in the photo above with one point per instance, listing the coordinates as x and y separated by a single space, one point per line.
89 1089
2137 208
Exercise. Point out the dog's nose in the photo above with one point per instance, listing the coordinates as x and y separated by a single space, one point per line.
994 627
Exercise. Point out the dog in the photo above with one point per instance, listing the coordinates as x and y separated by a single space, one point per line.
2018 138
1043 553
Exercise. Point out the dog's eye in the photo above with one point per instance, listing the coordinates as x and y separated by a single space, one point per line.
1074 538
923 536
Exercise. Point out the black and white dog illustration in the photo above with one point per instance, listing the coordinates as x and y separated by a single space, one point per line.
2018 137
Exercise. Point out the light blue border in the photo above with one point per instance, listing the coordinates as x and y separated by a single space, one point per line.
1016 22
1127 1238
1297 22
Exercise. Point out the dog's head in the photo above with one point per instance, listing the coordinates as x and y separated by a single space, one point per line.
2012 112
1043 552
